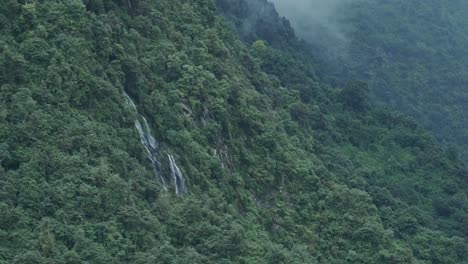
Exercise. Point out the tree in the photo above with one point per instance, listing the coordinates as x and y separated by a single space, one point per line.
355 96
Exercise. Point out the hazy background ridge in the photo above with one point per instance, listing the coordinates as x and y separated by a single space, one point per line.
318 22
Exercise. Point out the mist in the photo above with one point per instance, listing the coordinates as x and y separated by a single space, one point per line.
319 22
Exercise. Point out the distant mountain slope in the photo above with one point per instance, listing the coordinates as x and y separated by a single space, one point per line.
278 167
413 54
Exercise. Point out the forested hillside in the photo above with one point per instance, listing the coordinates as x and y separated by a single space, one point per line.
415 55
278 166
412 54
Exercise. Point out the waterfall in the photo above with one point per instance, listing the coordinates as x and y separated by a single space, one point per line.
148 141
177 177
152 149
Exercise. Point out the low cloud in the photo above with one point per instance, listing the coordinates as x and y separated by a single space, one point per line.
317 21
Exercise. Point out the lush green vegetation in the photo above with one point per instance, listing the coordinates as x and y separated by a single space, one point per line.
413 55
280 168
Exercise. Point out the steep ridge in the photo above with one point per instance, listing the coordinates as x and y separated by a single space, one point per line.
280 168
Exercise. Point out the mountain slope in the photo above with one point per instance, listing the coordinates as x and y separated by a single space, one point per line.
279 168
417 63
411 53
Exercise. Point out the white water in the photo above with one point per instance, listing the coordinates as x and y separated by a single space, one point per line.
152 149
177 177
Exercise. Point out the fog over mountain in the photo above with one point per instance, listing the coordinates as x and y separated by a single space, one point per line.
317 21
411 53
207 132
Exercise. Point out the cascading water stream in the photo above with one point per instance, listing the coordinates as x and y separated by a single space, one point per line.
151 146
152 149
148 141
177 177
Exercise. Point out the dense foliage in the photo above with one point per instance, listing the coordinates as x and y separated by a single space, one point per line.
413 55
280 168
